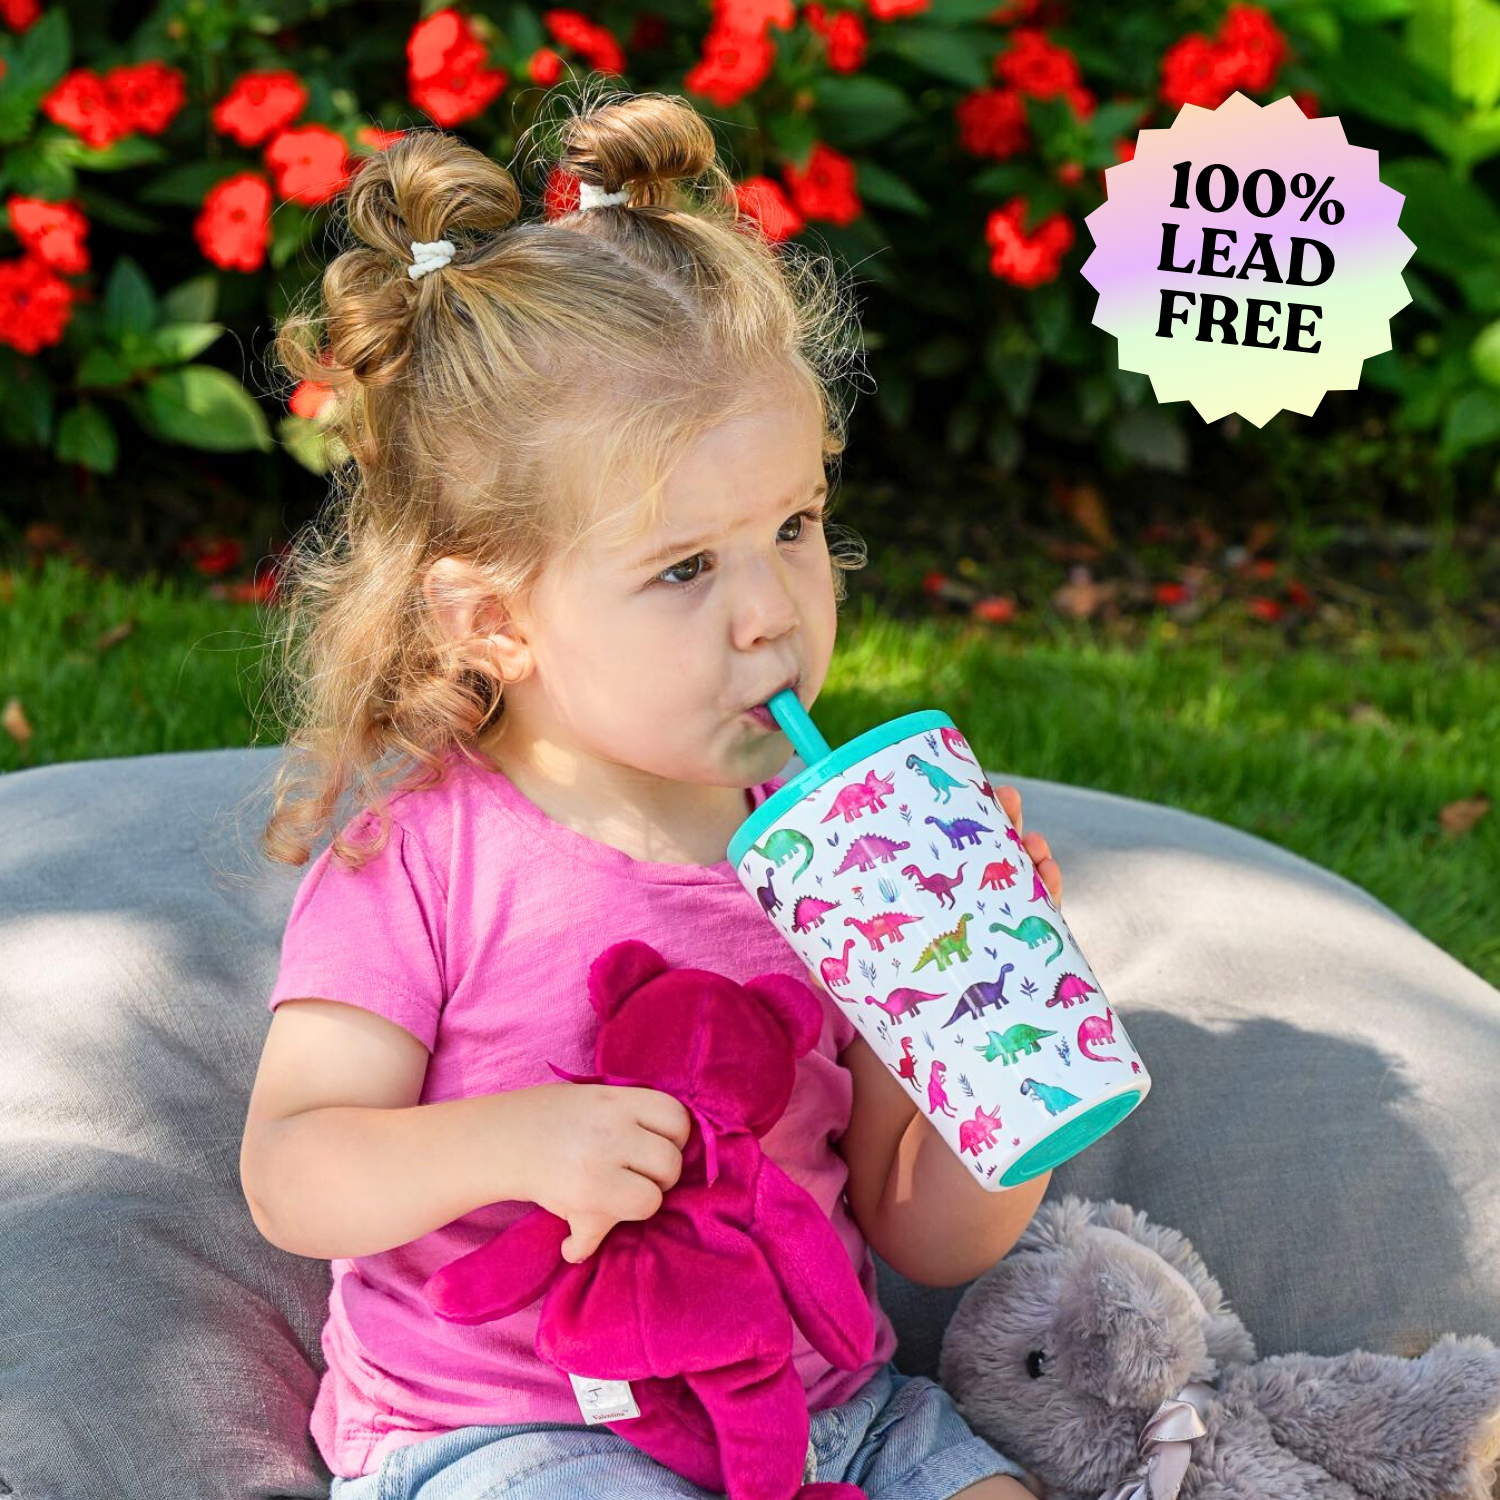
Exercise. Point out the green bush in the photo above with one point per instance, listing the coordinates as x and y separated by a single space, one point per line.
168 187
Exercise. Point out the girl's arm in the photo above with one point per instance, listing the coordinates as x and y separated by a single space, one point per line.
916 1203
339 1160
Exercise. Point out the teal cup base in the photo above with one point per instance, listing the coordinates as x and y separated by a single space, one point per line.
1070 1138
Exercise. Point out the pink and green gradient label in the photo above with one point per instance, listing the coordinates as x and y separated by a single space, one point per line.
1300 236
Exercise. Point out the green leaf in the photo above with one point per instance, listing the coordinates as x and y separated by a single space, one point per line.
1472 421
876 185
127 151
192 301
39 57
305 442
524 30
113 211
1051 309
1151 437
26 411
856 109
32 173
85 436
795 135
1453 224
1373 12
205 407
175 343
1006 180
1003 444
1116 119
940 357
1484 353
958 56
102 368
1458 42
129 302
190 183
1011 357
1371 74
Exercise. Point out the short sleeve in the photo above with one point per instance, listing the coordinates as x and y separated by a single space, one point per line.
371 937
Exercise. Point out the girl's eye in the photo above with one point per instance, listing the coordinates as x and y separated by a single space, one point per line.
812 516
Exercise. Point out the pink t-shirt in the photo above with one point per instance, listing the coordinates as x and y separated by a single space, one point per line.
473 929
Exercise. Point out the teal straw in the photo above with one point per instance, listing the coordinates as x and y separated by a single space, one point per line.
798 727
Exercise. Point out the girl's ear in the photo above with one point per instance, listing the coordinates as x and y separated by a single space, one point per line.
466 609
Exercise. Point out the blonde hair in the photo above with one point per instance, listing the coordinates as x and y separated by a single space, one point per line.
484 407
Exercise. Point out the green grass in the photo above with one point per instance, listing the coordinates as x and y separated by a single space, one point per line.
1346 757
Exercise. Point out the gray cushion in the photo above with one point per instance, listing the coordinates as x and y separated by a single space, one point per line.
1321 1125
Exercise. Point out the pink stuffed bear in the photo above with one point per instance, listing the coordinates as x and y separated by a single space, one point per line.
694 1306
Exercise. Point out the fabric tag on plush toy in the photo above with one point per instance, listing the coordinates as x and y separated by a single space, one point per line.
604 1400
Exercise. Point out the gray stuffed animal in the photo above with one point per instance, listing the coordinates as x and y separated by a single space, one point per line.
1102 1355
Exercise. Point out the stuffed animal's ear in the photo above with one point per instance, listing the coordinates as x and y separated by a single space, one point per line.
1057 1223
619 971
795 1006
1228 1340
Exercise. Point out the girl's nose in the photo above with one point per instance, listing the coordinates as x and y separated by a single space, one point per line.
766 608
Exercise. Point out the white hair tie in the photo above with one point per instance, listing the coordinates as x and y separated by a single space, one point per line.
428 255
590 196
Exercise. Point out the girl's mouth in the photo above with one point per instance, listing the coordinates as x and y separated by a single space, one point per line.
763 716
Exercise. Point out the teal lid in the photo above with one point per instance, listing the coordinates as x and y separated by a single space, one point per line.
832 764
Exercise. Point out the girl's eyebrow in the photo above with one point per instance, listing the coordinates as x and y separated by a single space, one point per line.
688 546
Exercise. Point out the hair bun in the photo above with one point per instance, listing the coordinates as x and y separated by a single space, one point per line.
427 185
650 141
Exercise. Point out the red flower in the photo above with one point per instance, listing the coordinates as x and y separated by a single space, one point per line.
1070 173
825 188
751 17
1026 260
234 225
373 135
1258 48
933 582
998 609
146 96
213 554
1261 567
992 122
1014 10
309 164
1036 66
1264 609
1195 70
1125 150
446 75
258 105
1307 103
733 64
1171 593
545 67
587 38
52 231
309 399
85 105
19 14
845 35
889 10
761 199
35 304
1299 595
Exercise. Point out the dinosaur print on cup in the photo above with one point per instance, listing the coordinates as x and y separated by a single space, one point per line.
919 911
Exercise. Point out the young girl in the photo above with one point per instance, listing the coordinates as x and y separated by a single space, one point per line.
584 539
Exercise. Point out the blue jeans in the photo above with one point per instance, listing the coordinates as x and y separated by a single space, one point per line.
900 1437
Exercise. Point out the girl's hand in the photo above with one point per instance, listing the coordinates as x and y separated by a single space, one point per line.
1035 844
